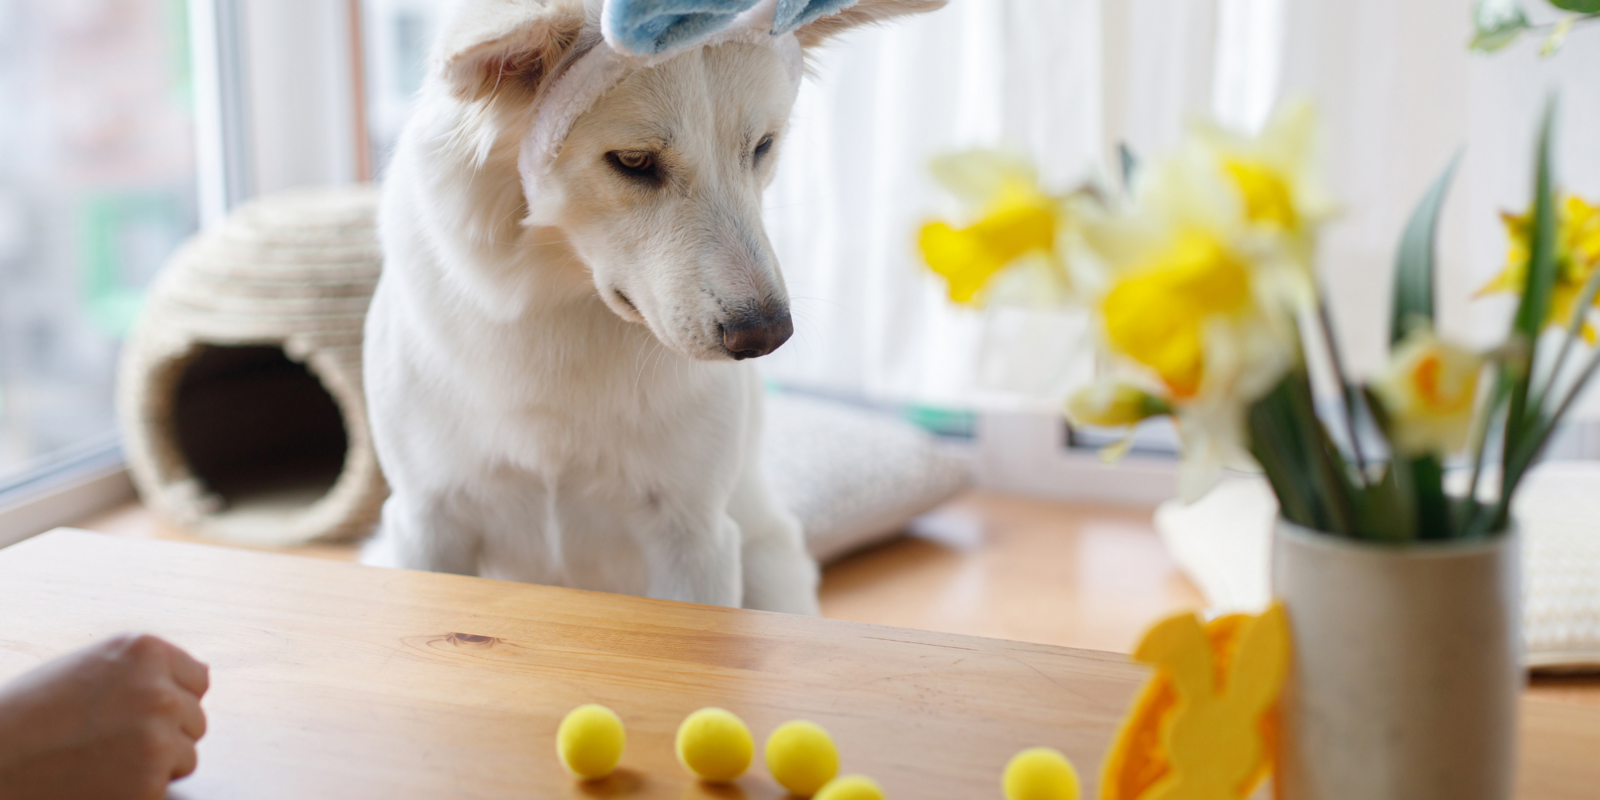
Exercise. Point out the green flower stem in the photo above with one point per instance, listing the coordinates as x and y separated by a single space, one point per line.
1480 445
1518 463
1591 288
1346 390
1524 420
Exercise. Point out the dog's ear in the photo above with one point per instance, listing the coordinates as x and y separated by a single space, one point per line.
865 12
491 45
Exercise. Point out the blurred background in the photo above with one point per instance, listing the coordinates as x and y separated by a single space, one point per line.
126 125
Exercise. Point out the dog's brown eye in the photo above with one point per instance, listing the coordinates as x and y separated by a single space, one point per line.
765 146
634 163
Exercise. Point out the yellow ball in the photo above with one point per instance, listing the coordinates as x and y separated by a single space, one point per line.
1040 773
801 757
715 745
590 741
851 787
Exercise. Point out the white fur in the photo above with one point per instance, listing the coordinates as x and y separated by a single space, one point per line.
533 425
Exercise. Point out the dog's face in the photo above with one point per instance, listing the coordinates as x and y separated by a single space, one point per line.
660 186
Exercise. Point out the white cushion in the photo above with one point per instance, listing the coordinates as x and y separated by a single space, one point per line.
852 475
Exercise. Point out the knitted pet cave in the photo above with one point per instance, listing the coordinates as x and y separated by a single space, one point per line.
240 393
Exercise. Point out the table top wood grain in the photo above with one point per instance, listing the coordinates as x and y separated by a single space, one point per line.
335 680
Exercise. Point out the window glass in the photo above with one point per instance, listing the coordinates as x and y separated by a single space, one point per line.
97 187
396 37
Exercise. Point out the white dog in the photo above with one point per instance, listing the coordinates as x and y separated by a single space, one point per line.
574 263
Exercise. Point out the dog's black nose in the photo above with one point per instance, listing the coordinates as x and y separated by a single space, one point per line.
756 335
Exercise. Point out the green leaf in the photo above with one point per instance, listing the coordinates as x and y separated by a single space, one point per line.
1497 23
1275 443
1387 510
1532 311
1330 473
1401 508
1413 270
1580 6
1426 476
1129 163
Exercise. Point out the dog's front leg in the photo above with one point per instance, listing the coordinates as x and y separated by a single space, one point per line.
779 575
422 535
695 563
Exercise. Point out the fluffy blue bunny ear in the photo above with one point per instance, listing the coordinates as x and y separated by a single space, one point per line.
647 27
794 13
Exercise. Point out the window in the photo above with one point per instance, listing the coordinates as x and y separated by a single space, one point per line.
97 187
396 35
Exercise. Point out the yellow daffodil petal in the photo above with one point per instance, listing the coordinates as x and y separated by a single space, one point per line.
969 257
1265 191
1508 280
1577 256
1157 316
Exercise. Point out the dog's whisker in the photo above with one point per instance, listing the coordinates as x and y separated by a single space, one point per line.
810 299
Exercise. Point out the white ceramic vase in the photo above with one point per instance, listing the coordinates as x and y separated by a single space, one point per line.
1406 669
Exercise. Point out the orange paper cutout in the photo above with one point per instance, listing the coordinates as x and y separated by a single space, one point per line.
1204 727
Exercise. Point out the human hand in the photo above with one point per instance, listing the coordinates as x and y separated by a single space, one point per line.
114 721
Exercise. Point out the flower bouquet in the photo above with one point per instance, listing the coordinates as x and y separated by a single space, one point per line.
1206 308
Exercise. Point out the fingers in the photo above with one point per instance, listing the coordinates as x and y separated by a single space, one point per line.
190 717
186 680
184 758
192 675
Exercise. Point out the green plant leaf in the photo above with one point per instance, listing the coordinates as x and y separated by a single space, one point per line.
1397 481
1328 465
1413 270
1129 164
1523 423
1497 23
1580 6
1386 509
1275 442
1426 476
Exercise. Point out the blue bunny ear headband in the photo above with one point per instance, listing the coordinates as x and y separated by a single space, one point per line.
638 34
647 27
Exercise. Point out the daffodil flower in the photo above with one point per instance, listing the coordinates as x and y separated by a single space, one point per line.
1210 264
1577 255
1161 313
1114 404
1430 391
1016 219
1206 270
1277 187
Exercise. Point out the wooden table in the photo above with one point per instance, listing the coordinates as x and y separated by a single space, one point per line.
339 681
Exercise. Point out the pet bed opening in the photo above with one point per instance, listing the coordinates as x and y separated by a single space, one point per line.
259 430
